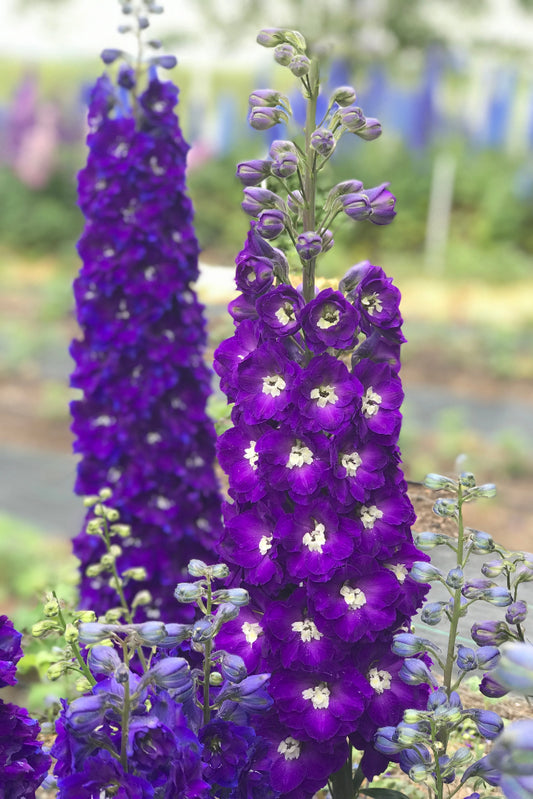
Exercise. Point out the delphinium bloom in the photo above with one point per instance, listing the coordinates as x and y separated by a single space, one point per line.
23 764
318 526
141 425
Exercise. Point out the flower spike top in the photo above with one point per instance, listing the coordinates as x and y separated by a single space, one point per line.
318 523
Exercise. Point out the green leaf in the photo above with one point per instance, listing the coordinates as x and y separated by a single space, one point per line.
383 793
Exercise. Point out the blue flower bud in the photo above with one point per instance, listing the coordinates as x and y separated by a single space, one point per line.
309 245
126 78
226 612
281 146
323 141
143 23
122 674
257 199
300 65
475 588
251 173
439 482
219 571
150 633
432 613
344 96
195 567
263 118
356 206
446 508
467 479
164 61
418 758
110 55
487 490
498 595
408 734
516 612
93 632
170 673
491 633
493 568
461 757
523 574
480 542
233 668
385 741
491 687
515 668
482 768
264 98
489 724
415 672
175 634
327 240
407 644
203 630
351 117
270 37
84 714
270 223
284 165
428 540
439 698
189 592
466 658
455 578
238 597
371 130
283 54
103 660
513 752
422 572
487 657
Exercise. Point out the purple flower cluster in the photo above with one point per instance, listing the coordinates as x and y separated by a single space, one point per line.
23 764
318 529
141 425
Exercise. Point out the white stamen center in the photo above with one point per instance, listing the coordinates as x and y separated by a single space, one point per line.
251 277
265 544
155 166
324 395
273 385
299 455
153 438
379 680
251 455
285 314
372 303
319 696
289 748
353 597
315 539
371 403
307 629
330 316
399 571
252 630
369 515
351 462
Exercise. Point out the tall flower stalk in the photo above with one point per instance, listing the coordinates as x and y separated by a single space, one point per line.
318 526
141 424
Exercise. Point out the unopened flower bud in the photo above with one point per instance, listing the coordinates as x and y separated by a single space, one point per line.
94 527
490 633
136 573
411 716
71 634
270 223
42 628
51 608
371 130
446 508
382 203
467 479
122 530
90 501
385 741
488 723
407 644
110 55
432 613
233 667
344 96
415 672
323 141
203 630
300 65
122 674
151 633
103 660
498 595
257 199
265 98
516 612
356 206
423 572
263 118
226 612
215 679
351 117
439 482
295 201
308 245
284 165
113 615
271 37
164 61
455 578
107 561
492 688
493 568
480 542
487 657
141 598
408 735
175 634
515 668
281 146
189 592
488 490
466 658
327 240
82 685
55 671
238 596
170 673
284 53
252 173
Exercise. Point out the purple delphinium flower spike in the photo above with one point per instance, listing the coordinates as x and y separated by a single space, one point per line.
141 425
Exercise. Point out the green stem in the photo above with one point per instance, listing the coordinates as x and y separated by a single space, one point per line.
75 646
207 660
438 775
450 655
309 179
125 716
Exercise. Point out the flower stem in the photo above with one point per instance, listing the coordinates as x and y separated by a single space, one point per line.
309 178
207 660
125 717
450 654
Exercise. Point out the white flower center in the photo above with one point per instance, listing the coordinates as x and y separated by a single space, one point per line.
155 166
289 748
153 438
330 316
372 303
299 455
369 515
353 597
307 629
379 680
351 462
315 539
252 630
319 696
399 571
273 385
371 403
251 455
324 395
265 544
285 314
251 277
164 503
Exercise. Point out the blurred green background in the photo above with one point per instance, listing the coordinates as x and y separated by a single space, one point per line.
451 83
